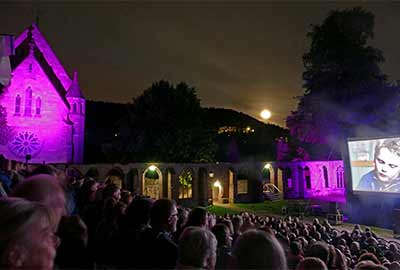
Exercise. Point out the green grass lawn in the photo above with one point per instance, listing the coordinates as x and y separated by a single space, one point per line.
275 208
262 208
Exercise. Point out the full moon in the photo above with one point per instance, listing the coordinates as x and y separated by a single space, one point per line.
265 114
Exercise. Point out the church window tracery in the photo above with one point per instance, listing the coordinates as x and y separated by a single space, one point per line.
38 105
28 102
18 105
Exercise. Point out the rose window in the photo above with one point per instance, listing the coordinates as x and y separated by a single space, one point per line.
25 143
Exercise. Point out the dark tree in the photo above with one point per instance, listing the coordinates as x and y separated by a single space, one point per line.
165 124
6 132
101 129
346 93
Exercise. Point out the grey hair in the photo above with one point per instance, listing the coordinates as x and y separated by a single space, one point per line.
18 216
196 245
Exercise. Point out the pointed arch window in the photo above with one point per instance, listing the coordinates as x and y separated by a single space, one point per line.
28 102
38 105
326 178
74 108
307 175
81 108
18 105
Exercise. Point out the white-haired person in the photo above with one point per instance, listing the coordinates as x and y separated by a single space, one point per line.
197 249
45 189
27 239
257 249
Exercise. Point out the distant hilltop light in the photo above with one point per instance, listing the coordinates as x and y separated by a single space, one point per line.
265 114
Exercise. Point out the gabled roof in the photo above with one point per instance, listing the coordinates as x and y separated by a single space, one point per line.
45 57
47 52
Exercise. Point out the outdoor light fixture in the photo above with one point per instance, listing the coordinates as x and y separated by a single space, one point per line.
211 174
152 168
267 166
217 184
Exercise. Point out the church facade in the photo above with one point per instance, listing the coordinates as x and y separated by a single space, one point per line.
44 106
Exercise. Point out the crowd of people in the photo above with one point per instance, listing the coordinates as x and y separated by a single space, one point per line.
53 219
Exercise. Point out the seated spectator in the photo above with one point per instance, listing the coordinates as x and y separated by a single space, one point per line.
295 254
258 249
237 223
131 227
197 217
158 250
111 190
369 257
73 252
5 180
311 263
369 265
319 250
45 189
126 197
27 239
197 249
224 240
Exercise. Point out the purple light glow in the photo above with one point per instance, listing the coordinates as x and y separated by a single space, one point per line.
39 112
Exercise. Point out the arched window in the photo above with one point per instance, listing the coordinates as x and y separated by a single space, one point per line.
326 176
185 184
74 108
28 102
339 177
18 105
38 105
307 176
81 108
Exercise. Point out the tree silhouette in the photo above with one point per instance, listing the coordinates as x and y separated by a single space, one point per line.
165 124
346 93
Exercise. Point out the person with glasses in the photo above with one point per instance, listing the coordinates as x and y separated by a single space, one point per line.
158 250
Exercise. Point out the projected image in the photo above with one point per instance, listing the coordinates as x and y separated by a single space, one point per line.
375 165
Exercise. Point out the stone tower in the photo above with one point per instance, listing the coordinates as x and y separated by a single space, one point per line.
76 115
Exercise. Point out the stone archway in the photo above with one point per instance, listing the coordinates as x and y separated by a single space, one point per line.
116 176
132 181
152 183
217 191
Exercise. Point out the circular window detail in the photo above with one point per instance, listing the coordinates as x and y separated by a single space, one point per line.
25 143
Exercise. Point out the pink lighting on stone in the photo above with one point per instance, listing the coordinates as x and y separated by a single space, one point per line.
320 180
39 102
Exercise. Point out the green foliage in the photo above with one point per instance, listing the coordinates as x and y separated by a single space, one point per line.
221 210
151 174
165 124
346 93
186 179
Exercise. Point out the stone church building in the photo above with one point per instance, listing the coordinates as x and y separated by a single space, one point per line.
45 107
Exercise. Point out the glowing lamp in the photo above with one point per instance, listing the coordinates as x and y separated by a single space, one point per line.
267 166
217 184
211 174
152 168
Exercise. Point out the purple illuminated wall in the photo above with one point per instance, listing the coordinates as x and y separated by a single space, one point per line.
39 112
324 180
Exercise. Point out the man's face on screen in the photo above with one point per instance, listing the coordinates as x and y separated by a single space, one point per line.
387 165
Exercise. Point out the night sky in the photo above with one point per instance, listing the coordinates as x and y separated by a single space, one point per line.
238 55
